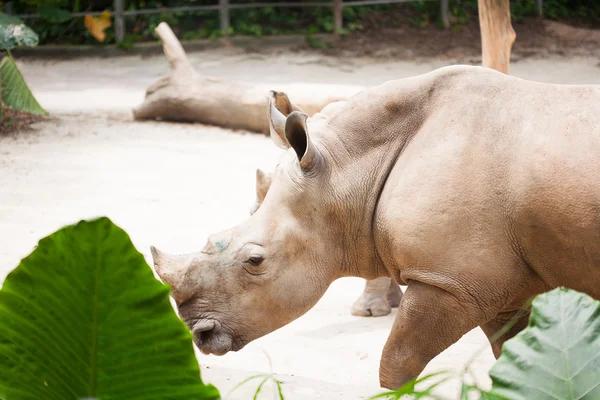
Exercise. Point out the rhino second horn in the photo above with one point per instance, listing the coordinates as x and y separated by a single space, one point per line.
171 270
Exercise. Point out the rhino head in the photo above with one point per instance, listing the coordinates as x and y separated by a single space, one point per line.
262 274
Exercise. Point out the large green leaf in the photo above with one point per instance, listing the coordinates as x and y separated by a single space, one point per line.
15 92
83 317
51 13
557 356
13 33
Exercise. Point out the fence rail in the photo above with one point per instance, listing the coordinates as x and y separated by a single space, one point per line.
224 6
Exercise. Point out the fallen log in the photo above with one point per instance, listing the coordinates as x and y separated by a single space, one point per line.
185 95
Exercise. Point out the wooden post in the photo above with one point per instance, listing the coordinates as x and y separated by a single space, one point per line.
119 21
497 34
337 17
445 14
540 7
224 15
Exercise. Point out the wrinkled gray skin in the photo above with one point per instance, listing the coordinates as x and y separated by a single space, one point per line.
379 295
476 189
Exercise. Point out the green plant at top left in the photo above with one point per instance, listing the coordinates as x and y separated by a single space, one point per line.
14 92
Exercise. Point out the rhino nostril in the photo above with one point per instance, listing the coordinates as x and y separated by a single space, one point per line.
204 336
202 331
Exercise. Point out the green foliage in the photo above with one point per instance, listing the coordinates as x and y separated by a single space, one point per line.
463 11
53 14
263 378
13 33
129 41
520 9
354 26
409 389
557 355
424 13
586 9
38 3
83 317
56 24
314 42
554 9
15 92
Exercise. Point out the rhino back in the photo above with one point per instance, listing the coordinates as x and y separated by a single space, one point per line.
502 174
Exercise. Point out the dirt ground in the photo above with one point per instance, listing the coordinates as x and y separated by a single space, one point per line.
171 185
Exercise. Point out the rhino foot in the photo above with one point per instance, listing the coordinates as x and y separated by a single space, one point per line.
371 305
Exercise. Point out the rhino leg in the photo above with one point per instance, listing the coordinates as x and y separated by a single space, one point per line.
377 299
429 320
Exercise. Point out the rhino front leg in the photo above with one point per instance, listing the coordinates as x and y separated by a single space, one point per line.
428 321
378 298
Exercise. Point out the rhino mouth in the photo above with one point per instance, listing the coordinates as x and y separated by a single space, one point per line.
210 338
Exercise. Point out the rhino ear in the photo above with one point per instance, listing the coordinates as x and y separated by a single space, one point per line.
279 107
296 132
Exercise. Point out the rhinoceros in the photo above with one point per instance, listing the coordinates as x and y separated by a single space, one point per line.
379 295
475 189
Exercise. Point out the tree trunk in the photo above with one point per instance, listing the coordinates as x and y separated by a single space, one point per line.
497 34
185 95
337 17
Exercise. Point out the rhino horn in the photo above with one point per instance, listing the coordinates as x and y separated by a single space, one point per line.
171 270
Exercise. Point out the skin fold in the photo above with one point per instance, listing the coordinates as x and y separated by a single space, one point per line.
379 296
475 189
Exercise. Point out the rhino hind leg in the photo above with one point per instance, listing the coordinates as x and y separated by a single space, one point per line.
377 299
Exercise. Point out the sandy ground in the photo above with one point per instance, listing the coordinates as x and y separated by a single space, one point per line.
172 184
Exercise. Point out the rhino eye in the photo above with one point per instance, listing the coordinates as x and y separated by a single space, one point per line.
255 260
